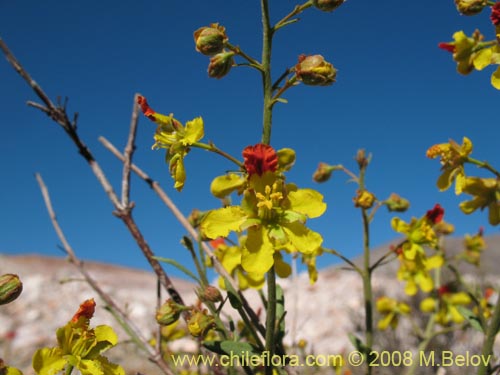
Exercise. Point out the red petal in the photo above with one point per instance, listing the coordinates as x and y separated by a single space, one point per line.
86 309
495 14
447 47
146 109
259 159
436 214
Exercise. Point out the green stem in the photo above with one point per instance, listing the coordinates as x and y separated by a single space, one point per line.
367 275
485 165
68 370
489 340
267 36
271 316
237 50
297 10
428 336
289 83
212 148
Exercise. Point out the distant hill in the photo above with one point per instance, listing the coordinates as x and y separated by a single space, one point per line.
323 313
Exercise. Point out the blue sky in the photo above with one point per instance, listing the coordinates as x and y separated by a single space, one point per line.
396 94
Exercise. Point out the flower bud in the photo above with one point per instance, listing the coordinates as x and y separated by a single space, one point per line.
315 71
397 204
323 173
327 5
210 294
220 64
470 7
210 40
10 288
169 312
200 322
362 159
364 199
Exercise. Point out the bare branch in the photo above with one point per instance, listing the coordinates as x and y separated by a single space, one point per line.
135 333
128 152
59 115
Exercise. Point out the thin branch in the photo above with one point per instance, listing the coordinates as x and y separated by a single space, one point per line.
59 115
133 331
128 152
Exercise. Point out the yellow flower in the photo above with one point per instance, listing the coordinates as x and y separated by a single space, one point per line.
415 272
486 193
453 156
390 309
175 138
445 306
474 246
273 214
230 258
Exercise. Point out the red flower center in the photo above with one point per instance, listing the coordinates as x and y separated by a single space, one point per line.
259 159
495 14
436 214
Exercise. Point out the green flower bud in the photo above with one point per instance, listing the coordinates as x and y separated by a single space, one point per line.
10 288
327 5
396 203
210 40
315 71
470 7
169 312
220 64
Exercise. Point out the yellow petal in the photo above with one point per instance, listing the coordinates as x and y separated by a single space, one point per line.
218 223
482 59
194 131
308 202
495 79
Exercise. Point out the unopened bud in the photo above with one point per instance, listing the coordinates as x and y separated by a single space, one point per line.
395 203
362 159
220 64
364 199
323 172
169 312
327 5
315 71
210 293
200 322
470 7
210 40
444 228
10 288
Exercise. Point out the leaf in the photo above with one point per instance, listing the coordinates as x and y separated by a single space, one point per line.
280 312
230 347
234 297
470 317
179 266
48 361
218 223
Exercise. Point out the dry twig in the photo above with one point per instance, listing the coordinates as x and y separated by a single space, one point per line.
136 335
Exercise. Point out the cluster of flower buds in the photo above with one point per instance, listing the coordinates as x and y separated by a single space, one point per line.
211 41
